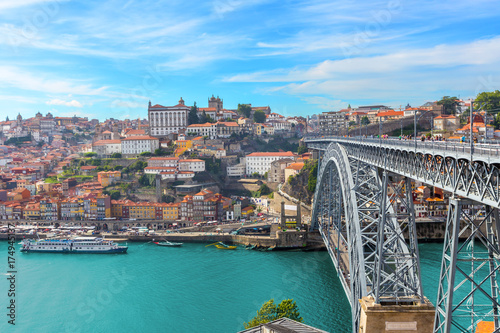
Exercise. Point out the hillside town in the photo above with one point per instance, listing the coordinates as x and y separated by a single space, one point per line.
183 165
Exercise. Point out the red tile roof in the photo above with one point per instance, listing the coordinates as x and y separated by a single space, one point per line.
140 137
288 153
391 113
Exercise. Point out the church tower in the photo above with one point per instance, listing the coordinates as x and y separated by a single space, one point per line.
215 103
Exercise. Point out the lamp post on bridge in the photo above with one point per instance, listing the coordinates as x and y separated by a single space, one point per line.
471 128
415 124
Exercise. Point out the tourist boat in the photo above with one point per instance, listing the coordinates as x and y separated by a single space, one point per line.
73 245
167 243
222 246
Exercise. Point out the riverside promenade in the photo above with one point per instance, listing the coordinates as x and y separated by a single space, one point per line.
275 238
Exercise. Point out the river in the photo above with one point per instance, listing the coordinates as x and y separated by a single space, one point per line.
188 289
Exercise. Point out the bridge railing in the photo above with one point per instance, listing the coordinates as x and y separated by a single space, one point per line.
482 149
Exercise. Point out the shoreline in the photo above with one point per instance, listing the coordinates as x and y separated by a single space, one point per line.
289 240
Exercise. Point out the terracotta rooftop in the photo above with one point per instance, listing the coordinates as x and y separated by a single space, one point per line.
288 153
140 137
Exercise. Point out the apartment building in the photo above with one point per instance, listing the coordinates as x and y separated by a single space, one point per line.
260 162
106 178
135 145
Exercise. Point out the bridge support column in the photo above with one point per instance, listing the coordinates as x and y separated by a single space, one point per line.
409 318
468 284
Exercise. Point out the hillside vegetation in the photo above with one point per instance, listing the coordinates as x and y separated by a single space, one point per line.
302 185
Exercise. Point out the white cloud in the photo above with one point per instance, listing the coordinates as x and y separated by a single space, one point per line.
125 104
20 99
221 7
13 77
477 53
73 113
326 103
9 4
73 103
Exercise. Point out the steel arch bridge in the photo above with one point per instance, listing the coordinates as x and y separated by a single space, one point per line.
368 224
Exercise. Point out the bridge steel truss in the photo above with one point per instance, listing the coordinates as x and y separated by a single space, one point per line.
468 284
364 233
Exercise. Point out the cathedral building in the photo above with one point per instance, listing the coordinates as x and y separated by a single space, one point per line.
215 103
164 120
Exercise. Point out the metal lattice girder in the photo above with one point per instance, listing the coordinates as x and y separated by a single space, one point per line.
440 164
397 265
348 210
468 283
334 165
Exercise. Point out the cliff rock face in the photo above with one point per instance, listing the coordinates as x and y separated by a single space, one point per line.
302 185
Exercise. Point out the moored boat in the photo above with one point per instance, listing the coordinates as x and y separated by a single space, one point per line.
73 245
223 246
167 243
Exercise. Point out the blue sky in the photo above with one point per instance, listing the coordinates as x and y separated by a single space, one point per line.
108 58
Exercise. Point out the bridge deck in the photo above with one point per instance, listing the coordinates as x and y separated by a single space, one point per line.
487 152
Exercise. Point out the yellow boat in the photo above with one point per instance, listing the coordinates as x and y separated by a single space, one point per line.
222 246
225 247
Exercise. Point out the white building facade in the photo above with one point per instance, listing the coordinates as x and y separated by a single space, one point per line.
105 148
194 165
135 145
261 162
164 120
207 129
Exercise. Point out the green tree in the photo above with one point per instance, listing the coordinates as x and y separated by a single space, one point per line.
312 179
145 153
115 195
144 180
496 121
193 115
488 101
352 123
90 154
160 152
449 104
266 314
245 110
118 167
95 162
116 155
264 189
365 120
302 149
269 312
167 198
288 308
204 118
259 116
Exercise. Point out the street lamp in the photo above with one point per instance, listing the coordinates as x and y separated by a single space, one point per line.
415 124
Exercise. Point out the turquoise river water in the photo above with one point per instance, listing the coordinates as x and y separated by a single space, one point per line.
188 289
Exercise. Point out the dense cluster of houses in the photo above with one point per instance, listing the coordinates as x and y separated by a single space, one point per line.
448 126
203 206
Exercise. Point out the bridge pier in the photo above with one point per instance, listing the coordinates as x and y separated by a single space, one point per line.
387 317
468 281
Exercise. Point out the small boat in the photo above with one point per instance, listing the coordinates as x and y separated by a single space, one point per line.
167 243
223 246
